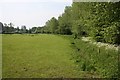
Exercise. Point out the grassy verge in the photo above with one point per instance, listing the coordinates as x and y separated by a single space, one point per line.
94 61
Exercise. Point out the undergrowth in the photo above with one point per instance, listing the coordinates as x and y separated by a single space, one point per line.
94 60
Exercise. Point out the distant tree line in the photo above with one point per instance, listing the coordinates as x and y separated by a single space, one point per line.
10 29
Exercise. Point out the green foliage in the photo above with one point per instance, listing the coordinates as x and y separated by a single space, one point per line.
52 25
34 30
110 33
99 20
95 60
80 17
8 28
65 21
105 21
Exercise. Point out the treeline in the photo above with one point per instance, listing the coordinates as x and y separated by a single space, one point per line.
10 29
98 20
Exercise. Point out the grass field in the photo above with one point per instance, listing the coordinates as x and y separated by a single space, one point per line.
55 56
36 56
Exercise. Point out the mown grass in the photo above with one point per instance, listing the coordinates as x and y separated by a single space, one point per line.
37 56
93 60
56 56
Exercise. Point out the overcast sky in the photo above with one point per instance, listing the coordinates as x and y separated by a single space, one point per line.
31 12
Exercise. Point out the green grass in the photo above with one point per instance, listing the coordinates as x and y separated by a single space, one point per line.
94 60
56 56
37 56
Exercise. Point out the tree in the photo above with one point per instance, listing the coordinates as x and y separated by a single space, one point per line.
34 30
52 25
6 28
17 30
105 22
40 29
80 18
65 21
11 27
23 29
95 19
1 28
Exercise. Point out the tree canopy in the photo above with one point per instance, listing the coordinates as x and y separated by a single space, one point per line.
100 20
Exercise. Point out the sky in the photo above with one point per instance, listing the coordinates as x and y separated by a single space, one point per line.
31 13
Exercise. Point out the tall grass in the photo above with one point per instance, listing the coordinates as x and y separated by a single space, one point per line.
93 60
